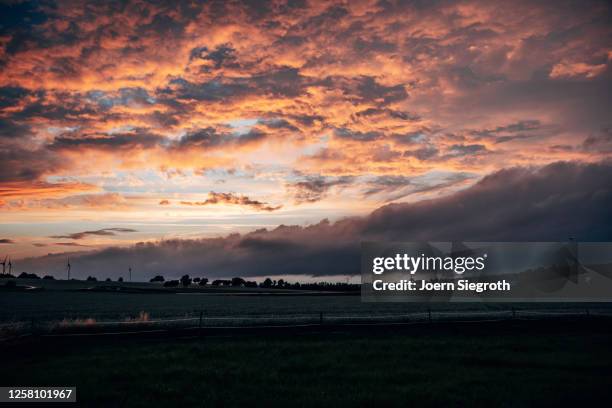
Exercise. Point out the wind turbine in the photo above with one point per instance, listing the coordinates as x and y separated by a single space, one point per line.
68 267
10 266
4 265
130 272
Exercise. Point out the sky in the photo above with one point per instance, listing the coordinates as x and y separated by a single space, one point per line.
129 126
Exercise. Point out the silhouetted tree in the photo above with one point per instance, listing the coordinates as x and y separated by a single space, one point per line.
91 279
108 280
120 279
267 283
185 280
171 284
24 275
221 282
238 282
157 278
203 282
48 277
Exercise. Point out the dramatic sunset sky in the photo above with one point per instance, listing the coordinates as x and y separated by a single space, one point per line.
133 122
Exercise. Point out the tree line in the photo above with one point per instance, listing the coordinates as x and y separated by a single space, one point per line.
187 281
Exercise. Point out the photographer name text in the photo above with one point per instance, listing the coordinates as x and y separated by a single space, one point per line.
426 286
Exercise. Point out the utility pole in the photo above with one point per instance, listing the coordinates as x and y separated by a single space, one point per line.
130 271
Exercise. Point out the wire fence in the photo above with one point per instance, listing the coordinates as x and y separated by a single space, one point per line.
143 322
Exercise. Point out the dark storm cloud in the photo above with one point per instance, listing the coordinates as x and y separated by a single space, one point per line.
280 82
13 130
164 119
393 187
467 78
19 20
20 164
260 244
459 150
375 44
395 114
344 133
69 244
410 138
553 203
330 16
423 153
211 137
369 89
58 106
314 188
575 101
561 200
101 232
6 241
164 25
222 56
307 120
387 183
520 126
213 90
278 124
363 89
600 142
137 138
12 95
524 129
124 96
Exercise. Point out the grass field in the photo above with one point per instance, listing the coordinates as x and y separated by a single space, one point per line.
63 299
502 364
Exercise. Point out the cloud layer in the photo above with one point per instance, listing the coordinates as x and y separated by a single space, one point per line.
383 88
245 114
553 203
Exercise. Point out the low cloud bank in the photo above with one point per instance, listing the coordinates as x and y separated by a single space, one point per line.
552 203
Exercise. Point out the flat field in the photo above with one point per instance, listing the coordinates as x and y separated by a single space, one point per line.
67 300
512 363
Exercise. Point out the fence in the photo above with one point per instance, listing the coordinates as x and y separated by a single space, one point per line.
200 319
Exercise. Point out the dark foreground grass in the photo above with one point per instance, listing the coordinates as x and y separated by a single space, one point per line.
508 364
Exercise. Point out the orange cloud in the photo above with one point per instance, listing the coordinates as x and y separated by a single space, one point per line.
103 103
231 198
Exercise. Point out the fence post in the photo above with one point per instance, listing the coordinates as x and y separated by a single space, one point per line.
200 323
